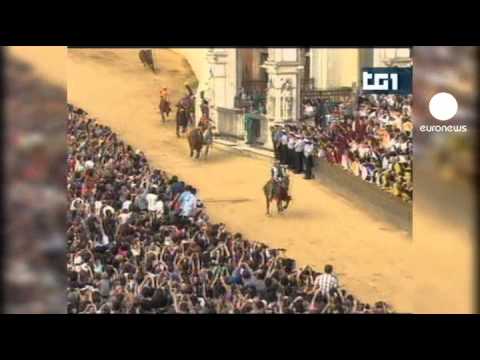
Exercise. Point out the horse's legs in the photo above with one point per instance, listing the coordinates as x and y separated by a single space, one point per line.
279 206
206 150
163 116
198 153
191 151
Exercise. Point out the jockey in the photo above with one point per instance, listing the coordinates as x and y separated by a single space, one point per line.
164 103
279 172
164 94
279 175
204 123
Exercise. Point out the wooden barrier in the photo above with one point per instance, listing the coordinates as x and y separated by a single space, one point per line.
369 196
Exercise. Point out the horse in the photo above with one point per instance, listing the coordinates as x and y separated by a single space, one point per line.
277 192
195 141
182 119
164 108
146 57
198 139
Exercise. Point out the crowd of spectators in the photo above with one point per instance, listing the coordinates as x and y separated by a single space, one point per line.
140 241
34 180
370 137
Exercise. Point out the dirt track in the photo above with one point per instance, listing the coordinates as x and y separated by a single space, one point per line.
375 261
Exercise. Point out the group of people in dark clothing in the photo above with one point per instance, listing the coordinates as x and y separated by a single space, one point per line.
295 148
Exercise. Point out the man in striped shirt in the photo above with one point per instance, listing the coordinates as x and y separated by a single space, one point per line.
326 281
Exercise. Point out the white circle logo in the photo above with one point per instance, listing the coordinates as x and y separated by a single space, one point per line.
443 106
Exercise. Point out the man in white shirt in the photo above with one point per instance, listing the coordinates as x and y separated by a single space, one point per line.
151 200
326 281
299 144
188 202
283 148
291 151
308 149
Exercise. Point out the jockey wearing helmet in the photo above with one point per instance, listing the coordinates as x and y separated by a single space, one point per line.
279 175
278 172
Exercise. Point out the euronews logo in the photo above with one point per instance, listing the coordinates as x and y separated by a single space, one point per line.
443 106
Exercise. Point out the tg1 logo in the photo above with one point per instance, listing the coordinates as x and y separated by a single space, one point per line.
387 80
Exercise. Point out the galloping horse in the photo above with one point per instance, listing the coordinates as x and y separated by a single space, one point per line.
181 119
277 192
146 57
199 138
195 141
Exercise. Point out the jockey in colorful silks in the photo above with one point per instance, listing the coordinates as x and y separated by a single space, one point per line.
279 176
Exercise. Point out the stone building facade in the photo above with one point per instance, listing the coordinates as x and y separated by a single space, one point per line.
281 74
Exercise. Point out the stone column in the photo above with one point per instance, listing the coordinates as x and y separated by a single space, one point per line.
222 80
319 67
285 71
216 82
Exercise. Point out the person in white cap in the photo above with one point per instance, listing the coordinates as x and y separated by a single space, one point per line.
284 147
299 144
308 158
291 150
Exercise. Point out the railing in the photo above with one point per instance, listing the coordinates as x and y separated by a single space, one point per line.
254 86
336 95
230 122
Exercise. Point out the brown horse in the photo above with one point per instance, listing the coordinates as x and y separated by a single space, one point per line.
146 57
164 109
195 141
277 192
